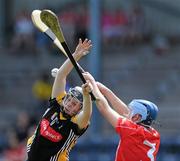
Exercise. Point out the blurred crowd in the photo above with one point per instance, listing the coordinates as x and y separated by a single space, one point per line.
13 139
118 26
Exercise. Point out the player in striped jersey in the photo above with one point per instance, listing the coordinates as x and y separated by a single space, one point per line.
66 118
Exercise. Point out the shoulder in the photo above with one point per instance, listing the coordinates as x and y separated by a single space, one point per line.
155 132
60 97
125 124
150 134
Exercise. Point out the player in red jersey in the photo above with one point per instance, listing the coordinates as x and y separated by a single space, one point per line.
139 141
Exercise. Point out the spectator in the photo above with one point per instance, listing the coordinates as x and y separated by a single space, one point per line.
80 28
160 44
137 25
23 38
42 91
16 150
114 26
22 125
107 26
120 26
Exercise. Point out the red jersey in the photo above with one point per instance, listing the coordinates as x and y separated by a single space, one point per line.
137 142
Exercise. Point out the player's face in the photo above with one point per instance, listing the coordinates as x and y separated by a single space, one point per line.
135 118
72 106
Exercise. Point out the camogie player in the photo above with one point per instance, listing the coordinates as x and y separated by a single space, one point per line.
139 141
66 118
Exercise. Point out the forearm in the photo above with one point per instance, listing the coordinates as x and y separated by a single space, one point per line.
87 108
102 104
118 105
110 115
67 67
85 115
60 80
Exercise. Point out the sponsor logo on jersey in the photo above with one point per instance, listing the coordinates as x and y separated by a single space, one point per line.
48 132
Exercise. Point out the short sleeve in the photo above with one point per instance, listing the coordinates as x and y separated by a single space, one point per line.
60 97
78 131
56 101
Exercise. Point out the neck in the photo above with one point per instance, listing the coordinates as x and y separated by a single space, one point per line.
66 115
146 126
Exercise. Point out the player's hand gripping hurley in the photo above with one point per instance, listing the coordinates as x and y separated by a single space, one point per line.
47 22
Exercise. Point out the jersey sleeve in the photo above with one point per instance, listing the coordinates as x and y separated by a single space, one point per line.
80 131
60 97
77 130
54 102
125 126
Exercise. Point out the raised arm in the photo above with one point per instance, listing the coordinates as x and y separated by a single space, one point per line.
82 49
117 104
83 118
102 104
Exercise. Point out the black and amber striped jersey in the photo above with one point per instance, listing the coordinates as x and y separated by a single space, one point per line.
54 136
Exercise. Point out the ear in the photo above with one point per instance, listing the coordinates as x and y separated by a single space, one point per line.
136 118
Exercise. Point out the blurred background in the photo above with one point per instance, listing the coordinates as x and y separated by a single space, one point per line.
135 53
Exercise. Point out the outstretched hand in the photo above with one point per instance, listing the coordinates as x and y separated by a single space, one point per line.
83 47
